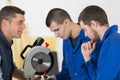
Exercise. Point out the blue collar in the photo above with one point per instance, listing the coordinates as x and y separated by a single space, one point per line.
112 29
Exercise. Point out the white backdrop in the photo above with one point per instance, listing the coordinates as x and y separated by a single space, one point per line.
36 12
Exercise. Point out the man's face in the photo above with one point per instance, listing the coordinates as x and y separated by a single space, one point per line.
60 30
16 26
89 31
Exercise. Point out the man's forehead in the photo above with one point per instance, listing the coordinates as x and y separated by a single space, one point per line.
53 25
81 22
20 16
82 25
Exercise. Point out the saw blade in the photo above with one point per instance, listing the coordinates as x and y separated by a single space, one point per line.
40 61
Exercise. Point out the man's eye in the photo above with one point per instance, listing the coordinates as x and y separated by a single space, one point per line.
56 29
20 22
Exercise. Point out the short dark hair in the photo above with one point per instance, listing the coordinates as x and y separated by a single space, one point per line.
95 13
58 15
9 12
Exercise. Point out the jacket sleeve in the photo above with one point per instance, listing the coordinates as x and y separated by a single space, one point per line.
91 66
64 73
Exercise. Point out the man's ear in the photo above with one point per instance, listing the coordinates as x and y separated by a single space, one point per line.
93 24
4 23
66 21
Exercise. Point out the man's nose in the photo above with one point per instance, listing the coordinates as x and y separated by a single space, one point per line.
23 26
56 34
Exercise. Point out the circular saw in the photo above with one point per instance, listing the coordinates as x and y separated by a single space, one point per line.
37 59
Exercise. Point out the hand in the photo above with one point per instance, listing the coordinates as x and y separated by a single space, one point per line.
51 77
37 77
87 48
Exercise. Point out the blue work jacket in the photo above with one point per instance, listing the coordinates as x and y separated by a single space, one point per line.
108 64
72 66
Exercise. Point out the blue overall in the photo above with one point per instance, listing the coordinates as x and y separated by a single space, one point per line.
72 66
108 64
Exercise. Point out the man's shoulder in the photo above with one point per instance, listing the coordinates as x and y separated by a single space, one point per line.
114 37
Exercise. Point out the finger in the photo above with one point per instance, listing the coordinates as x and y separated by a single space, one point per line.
83 46
94 45
88 45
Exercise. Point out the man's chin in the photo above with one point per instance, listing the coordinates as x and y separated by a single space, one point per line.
18 36
95 40
64 38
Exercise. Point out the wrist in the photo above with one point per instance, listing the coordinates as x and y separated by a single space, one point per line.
87 58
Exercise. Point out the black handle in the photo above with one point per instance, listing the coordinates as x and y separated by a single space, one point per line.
24 51
37 42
